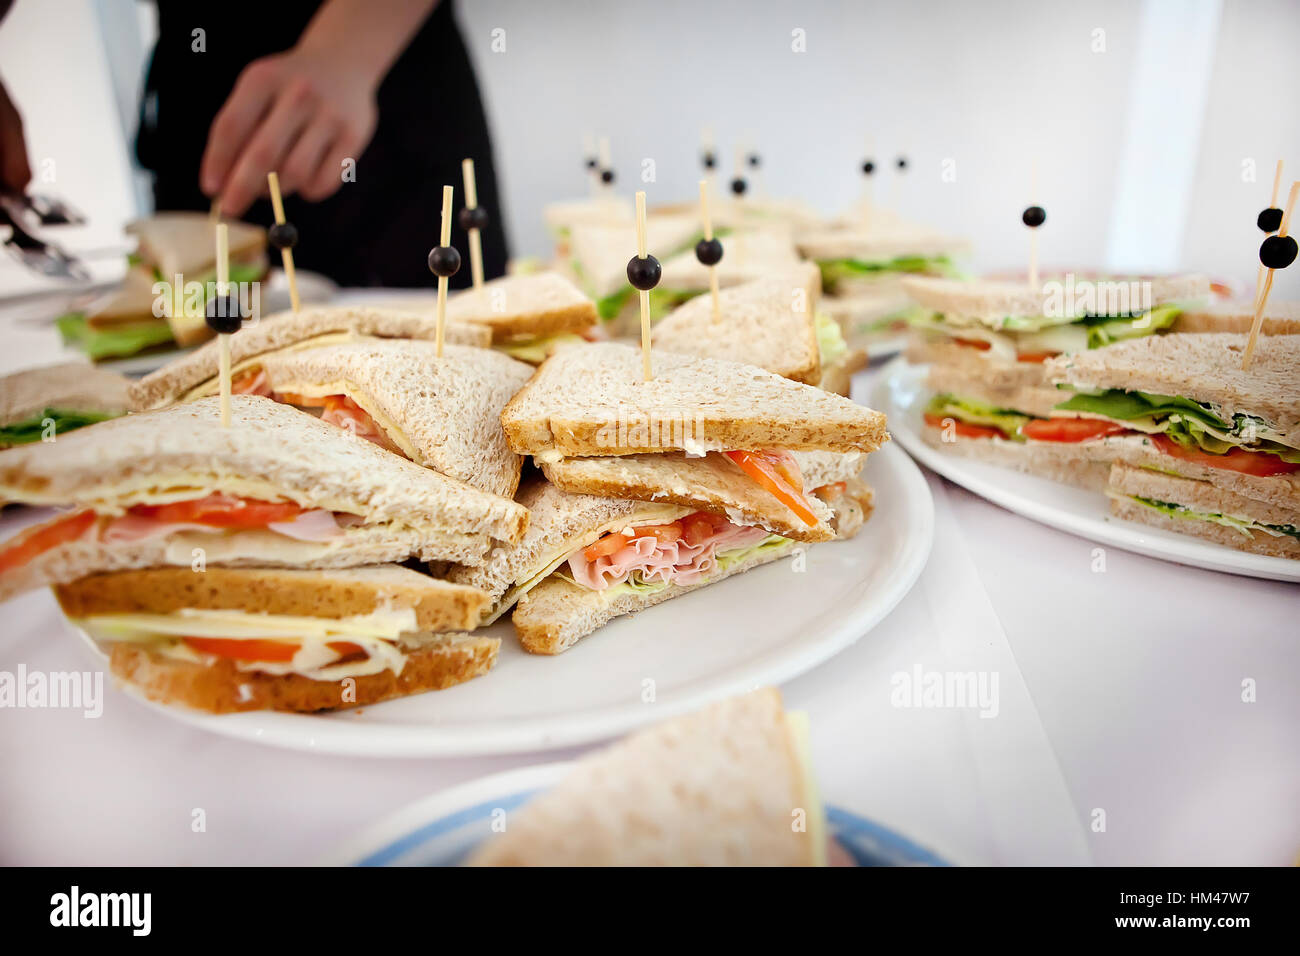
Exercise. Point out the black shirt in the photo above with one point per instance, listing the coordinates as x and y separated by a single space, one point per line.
377 230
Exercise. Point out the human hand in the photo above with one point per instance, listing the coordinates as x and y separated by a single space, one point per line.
15 171
299 113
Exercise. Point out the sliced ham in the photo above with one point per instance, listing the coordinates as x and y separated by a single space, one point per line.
672 562
318 525
252 383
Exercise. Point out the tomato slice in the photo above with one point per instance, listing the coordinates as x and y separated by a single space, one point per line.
221 511
701 526
262 649
827 492
606 546
42 538
974 344
1261 464
1036 356
664 533
1069 429
963 429
763 468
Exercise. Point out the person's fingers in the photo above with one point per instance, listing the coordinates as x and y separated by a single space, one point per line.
235 122
307 154
267 149
328 176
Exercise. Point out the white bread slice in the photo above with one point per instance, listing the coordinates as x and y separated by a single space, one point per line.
948 357
990 300
592 400
131 302
1238 315
747 255
443 413
601 251
875 245
1126 482
837 376
768 323
719 787
963 382
70 387
270 452
541 303
434 663
1204 367
181 242
1139 452
554 615
194 375
563 215
1082 464
713 483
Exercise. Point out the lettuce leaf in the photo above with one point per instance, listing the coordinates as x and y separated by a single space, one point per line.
1244 525
729 559
967 410
830 339
835 269
1131 406
535 348
31 429
611 305
1103 330
115 342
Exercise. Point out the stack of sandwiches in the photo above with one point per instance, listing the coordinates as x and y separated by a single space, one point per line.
44 403
747 255
604 209
170 244
721 787
986 344
1195 443
863 267
775 322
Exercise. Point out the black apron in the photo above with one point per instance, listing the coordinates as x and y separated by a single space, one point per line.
377 230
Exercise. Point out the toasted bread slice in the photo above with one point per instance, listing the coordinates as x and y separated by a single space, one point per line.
542 303
1193 498
768 323
715 788
592 400
195 375
441 412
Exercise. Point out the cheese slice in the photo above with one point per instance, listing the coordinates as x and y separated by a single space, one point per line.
364 402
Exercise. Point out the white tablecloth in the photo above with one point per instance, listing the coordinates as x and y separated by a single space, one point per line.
1120 734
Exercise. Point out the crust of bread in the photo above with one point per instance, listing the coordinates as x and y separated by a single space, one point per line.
1139 452
438 605
285 330
947 357
221 688
446 411
1035 400
768 323
1281 318
1198 495
181 241
1203 366
1075 464
837 377
714 788
555 615
591 400
71 386
713 483
747 256
1256 542
602 250
870 245
271 449
991 301
542 303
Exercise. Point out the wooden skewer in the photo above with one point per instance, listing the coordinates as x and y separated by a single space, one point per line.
286 255
1272 204
223 287
1268 281
645 294
589 153
475 242
444 240
708 234
215 212
603 152
1033 233
868 192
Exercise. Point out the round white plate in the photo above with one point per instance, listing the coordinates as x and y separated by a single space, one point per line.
759 628
441 830
901 394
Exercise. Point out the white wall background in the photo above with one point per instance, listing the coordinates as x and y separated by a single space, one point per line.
989 86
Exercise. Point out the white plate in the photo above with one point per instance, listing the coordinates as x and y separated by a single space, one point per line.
442 829
762 627
901 394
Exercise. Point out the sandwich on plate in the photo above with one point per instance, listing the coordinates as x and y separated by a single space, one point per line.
606 209
746 255
169 244
44 403
860 260
986 344
598 256
195 375
528 314
238 639
705 434
442 412
278 488
1204 446
1238 315
730 785
775 323
587 559
871 318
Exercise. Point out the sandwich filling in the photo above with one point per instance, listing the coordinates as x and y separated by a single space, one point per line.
835 271
1178 427
325 649
61 420
1244 525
